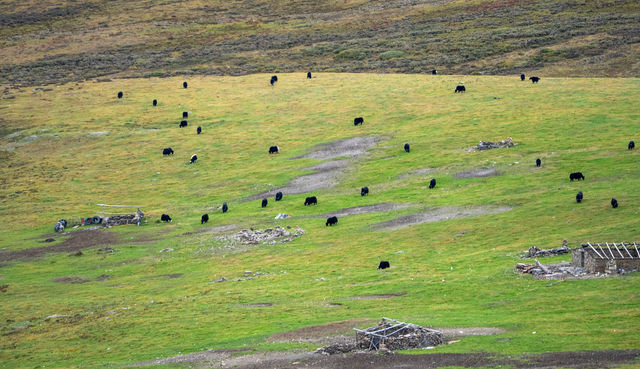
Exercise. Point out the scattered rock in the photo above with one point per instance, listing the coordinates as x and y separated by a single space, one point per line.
536 252
98 133
282 216
488 145
106 250
166 250
221 279
48 240
269 236
55 316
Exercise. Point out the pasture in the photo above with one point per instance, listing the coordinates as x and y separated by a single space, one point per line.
66 148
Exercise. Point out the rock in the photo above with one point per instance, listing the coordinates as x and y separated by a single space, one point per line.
55 316
166 250
221 279
282 216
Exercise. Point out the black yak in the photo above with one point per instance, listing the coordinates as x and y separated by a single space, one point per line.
167 151
185 114
522 77
155 102
225 208
183 123
331 221
538 162
631 145
309 75
432 184
460 89
312 200
384 265
577 176
278 196
364 191
194 157
579 197
406 147
264 203
274 149
184 84
358 120
534 79
199 130
120 95
614 203
165 218
204 219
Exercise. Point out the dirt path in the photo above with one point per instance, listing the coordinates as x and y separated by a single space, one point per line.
326 174
437 214
226 359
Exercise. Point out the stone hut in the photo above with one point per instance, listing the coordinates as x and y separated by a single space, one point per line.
608 257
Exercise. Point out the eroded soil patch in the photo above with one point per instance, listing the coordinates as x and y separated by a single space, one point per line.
376 208
327 174
71 280
478 173
76 241
437 214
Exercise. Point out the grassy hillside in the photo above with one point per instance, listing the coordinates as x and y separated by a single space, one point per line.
69 147
56 41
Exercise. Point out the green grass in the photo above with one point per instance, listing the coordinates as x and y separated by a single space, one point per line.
455 273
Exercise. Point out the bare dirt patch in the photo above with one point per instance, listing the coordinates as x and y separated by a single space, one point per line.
376 208
71 280
581 359
438 214
319 332
478 173
327 174
76 241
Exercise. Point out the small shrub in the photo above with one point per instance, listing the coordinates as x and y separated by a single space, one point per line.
357 54
391 54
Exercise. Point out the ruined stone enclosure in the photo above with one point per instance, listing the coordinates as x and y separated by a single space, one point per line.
608 257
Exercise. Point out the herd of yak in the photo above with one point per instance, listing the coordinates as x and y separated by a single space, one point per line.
312 200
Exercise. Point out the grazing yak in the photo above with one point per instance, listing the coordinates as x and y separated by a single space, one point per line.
308 75
614 203
522 77
631 145
364 191
199 130
264 203
534 79
225 208
384 265
167 151
165 218
434 72
459 89
577 176
358 120
312 200
194 157
538 162
155 102
185 114
406 147
579 197
184 84
432 184
204 219
183 123
331 221
278 196
274 149
120 95
274 79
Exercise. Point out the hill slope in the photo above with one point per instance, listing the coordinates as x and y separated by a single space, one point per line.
50 42
75 145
